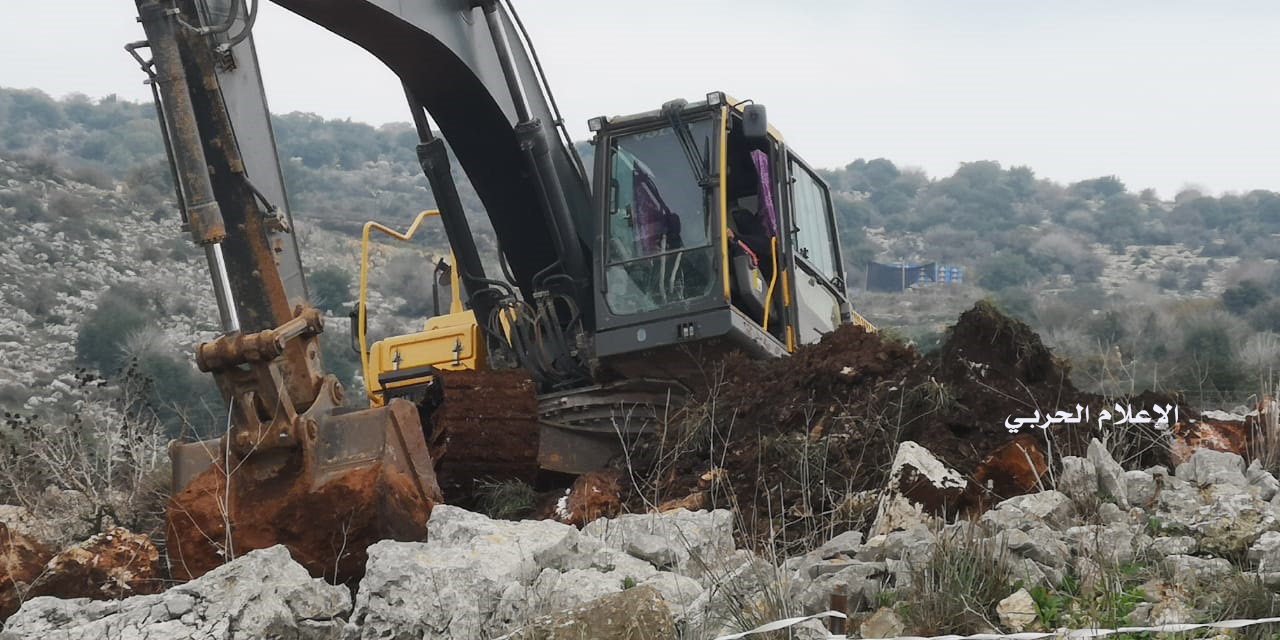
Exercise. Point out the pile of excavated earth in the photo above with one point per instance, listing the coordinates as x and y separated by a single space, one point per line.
857 475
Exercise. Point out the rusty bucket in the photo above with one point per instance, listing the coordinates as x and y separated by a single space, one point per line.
356 477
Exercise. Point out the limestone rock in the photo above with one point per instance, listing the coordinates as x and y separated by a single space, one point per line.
655 550
1079 479
1191 572
1140 487
1232 520
263 594
1265 552
471 578
810 630
1262 480
1111 513
1172 611
679 592
1030 573
1051 508
846 543
920 489
20 520
1207 467
861 582
1176 545
1017 611
884 623
1111 478
1040 545
690 541
553 590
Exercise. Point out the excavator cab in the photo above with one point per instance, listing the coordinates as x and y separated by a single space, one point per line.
714 234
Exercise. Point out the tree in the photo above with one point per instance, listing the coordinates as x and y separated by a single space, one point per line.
1004 270
1102 188
1209 349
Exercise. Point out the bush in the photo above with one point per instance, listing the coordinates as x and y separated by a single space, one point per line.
121 311
175 390
26 205
1245 296
1208 348
330 288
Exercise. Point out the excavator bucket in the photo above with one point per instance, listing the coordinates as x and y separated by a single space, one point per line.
489 427
359 477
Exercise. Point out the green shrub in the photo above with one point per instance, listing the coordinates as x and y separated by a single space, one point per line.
330 288
121 311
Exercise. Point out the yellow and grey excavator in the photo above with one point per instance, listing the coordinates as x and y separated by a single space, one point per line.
701 233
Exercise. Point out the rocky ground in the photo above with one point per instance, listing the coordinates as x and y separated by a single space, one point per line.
1105 546
857 475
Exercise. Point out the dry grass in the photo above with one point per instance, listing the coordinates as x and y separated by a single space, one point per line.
956 588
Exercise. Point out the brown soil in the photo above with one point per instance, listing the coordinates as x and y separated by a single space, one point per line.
22 560
326 516
798 438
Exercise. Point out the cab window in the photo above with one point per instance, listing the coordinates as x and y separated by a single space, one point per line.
659 250
814 242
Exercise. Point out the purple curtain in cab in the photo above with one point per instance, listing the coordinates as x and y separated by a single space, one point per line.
651 212
765 210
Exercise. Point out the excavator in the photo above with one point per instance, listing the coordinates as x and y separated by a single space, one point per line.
698 233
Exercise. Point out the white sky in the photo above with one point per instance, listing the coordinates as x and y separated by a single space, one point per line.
1160 93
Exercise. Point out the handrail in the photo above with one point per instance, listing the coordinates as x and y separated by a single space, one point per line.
364 283
773 279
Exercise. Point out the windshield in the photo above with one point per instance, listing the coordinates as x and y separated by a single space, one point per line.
659 223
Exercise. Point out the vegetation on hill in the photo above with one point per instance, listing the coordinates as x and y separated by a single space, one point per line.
1137 291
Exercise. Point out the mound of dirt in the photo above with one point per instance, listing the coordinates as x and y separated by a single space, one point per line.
799 444
991 368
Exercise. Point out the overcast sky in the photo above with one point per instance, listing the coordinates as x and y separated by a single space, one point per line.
1160 93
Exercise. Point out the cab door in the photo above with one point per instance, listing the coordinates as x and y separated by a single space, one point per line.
821 300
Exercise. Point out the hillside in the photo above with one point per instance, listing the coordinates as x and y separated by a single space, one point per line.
1137 291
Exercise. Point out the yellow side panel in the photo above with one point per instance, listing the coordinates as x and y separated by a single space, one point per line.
449 342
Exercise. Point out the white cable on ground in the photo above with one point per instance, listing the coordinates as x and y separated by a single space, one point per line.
1026 635
783 624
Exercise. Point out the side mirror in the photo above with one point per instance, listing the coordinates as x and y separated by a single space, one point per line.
755 122
354 315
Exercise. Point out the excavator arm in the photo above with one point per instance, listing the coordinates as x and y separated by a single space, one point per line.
291 449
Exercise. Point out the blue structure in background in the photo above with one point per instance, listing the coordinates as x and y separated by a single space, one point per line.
898 277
